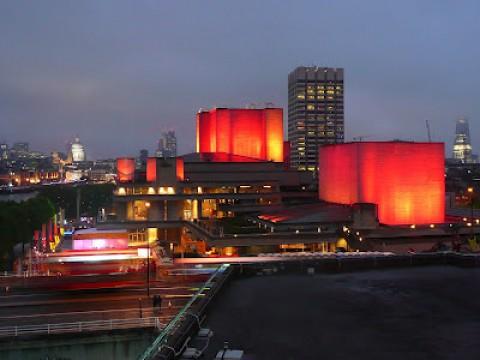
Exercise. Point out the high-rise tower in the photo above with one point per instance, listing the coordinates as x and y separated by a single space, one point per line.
167 145
315 113
462 148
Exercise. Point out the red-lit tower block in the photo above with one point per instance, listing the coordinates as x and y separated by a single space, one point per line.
125 169
256 133
406 180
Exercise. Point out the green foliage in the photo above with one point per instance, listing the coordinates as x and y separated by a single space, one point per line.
18 222
92 198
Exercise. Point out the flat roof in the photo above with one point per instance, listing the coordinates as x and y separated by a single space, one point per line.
319 212
218 157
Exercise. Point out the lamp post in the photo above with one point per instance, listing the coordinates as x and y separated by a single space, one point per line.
148 269
470 191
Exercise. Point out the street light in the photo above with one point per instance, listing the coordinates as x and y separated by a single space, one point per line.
470 191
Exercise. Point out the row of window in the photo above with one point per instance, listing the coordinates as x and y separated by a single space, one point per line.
321 107
319 97
317 86
313 122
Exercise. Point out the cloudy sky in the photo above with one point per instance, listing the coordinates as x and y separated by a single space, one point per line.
117 73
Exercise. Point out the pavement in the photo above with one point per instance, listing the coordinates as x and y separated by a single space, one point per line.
414 313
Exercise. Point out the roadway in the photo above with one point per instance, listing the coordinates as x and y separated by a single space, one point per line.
19 306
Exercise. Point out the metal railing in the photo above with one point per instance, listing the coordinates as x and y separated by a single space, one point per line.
82 326
129 313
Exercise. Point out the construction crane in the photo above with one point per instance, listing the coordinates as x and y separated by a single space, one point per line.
428 131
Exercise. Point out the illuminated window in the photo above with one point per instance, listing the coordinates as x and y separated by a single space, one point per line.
301 97
310 107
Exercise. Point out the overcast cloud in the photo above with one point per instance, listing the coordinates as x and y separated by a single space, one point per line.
117 73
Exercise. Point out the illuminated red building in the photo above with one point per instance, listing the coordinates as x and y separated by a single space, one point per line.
125 169
405 179
256 133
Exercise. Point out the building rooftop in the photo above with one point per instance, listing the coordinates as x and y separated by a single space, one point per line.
319 212
382 314
217 157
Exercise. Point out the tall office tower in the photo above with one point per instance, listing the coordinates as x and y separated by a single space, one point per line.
142 158
20 149
315 113
462 148
3 152
167 145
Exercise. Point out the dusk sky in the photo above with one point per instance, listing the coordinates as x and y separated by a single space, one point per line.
116 73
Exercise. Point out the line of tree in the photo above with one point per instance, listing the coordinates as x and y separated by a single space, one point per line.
18 221
92 198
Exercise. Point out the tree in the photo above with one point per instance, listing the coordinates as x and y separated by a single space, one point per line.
18 221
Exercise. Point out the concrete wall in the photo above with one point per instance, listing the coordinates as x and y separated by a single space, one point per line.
78 347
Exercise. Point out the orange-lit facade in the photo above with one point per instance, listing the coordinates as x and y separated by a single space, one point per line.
180 168
125 169
151 169
256 133
406 180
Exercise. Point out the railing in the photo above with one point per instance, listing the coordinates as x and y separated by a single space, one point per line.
82 326
99 314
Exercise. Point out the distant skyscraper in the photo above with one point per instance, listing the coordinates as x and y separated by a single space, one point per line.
167 145
3 152
462 148
142 159
315 113
20 149
77 151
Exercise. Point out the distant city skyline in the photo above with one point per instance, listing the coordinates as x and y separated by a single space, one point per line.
117 79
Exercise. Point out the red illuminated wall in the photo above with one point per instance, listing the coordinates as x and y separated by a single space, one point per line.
286 154
125 169
180 168
256 133
406 180
151 169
